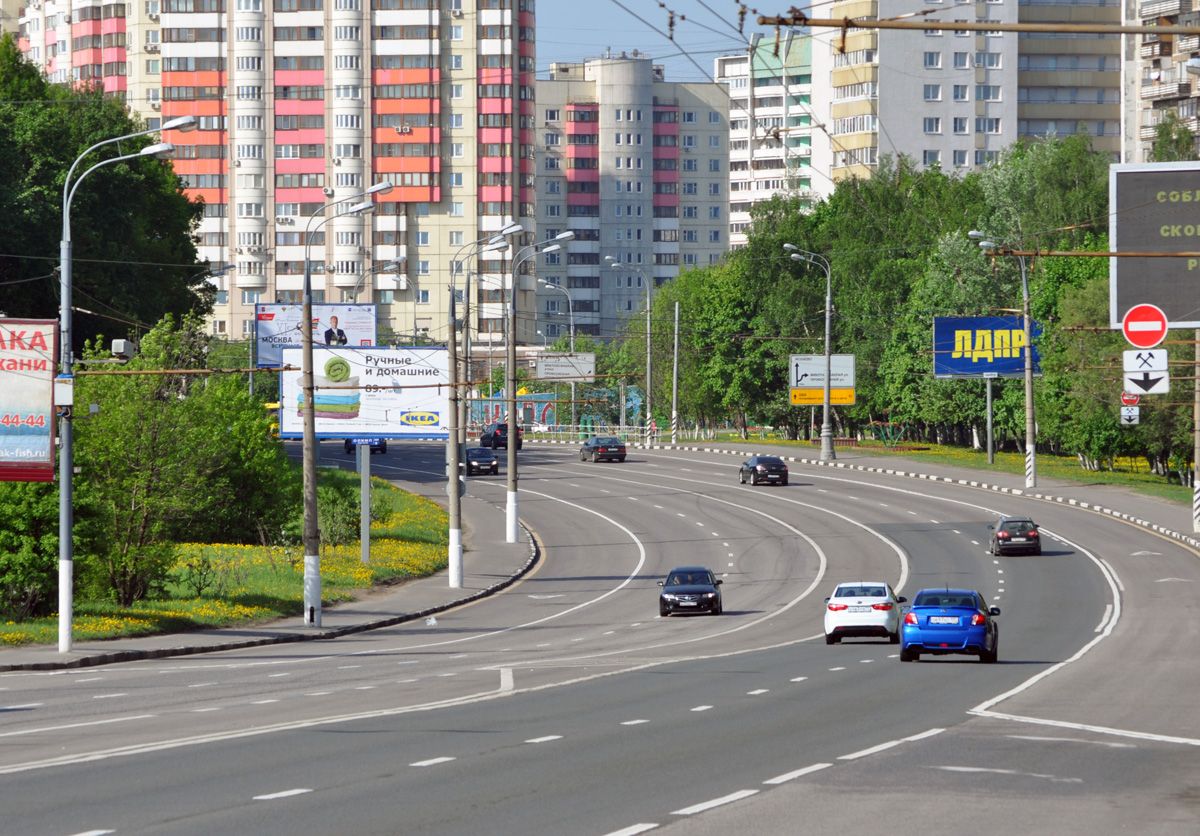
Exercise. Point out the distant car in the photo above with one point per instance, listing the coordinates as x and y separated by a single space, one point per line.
769 469
496 436
1012 535
942 621
603 448
690 589
481 460
863 608
378 445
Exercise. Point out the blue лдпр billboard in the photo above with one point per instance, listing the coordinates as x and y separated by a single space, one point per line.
982 346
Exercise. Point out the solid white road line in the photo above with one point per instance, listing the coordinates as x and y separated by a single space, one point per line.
633 722
1040 739
94 833
284 794
22 706
432 761
633 830
978 769
75 725
716 802
791 776
108 696
1062 724
545 739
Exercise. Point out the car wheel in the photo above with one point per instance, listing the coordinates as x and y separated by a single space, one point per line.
582 456
784 481
621 459
741 477
663 611
718 609
909 655
1038 550
595 458
829 639
990 657
894 638
753 479
496 470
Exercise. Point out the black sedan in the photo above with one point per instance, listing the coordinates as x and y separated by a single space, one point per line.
377 445
689 589
603 448
481 460
769 469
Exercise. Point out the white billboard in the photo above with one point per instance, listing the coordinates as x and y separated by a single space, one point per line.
369 393
28 349
277 327
566 367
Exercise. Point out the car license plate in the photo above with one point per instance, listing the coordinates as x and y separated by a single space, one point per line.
860 609
1018 539
943 619
687 603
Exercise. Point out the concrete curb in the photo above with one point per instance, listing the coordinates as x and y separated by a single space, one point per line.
971 483
283 638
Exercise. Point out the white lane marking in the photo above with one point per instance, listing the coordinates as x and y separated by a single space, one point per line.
347 667
865 661
633 829
1104 620
999 571
444 675
884 505
757 691
282 794
605 490
716 802
398 682
432 761
726 545
715 534
21 706
1040 739
855 498
277 675
935 522
326 693
545 739
837 669
798 679
872 750
108 696
1107 566
699 523
94 833
572 484
76 725
633 722
608 632
458 656
702 708
91 679
893 655
822 490
364 687
679 514
956 531
632 498
799 773
263 702
204 710
1062 724
976 543
914 513
977 769
506 679
202 685
659 507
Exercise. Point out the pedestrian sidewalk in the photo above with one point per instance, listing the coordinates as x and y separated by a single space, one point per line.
489 565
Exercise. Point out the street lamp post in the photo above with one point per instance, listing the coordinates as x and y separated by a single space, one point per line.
312 535
648 282
1030 419
571 326
512 527
66 455
797 254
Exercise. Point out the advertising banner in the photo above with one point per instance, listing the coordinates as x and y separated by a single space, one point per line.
982 346
370 393
28 353
277 327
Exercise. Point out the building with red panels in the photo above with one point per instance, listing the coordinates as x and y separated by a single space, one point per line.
306 103
636 167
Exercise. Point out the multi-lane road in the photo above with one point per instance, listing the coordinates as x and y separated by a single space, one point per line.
565 705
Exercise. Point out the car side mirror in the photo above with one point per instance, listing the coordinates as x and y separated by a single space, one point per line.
991 527
717 582
900 600
994 611
660 583
826 600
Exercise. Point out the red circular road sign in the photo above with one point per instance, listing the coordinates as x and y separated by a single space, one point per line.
1144 325
1130 398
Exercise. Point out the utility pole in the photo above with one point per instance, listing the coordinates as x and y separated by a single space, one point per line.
675 382
452 462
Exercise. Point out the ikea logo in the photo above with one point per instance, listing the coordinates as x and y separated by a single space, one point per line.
420 419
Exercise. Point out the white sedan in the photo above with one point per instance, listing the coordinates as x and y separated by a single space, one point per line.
863 608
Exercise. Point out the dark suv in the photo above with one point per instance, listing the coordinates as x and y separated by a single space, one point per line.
1015 534
377 445
496 436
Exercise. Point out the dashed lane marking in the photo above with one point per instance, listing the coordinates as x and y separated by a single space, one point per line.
716 802
799 773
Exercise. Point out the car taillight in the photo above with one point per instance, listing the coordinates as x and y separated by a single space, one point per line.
978 619
1002 535
601 449
1032 534
837 607
761 468
910 617
884 606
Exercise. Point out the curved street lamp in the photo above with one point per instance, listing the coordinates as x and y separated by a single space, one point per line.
797 254
571 325
616 264
312 535
66 430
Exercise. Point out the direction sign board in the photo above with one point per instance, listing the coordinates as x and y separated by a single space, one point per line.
1148 383
1130 416
1145 360
567 367
1152 209
808 370
1130 399
807 396
1144 325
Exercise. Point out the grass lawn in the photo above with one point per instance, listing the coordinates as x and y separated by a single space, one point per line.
213 585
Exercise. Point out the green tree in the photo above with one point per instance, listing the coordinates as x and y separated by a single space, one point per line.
1173 140
28 548
131 225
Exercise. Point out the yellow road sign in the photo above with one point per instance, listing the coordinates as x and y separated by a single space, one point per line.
810 396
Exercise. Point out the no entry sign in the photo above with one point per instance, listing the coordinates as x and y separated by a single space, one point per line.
1144 326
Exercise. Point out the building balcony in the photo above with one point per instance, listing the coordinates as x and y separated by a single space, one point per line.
1159 90
1187 44
1154 49
1164 8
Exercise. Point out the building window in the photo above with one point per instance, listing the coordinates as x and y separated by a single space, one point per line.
987 92
422 297
933 60
931 158
960 124
933 124
960 60
933 92
961 93
714 165
960 159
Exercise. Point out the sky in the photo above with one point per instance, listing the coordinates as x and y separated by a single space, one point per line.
572 30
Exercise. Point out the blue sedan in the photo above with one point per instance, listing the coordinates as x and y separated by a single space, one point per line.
943 621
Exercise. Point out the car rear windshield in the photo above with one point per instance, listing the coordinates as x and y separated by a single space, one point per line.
860 592
945 599
1018 526
608 441
770 460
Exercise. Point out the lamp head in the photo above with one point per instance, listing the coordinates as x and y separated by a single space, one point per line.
512 229
161 150
553 248
359 208
975 235
495 246
790 247
565 236
987 245
798 257
180 123
379 188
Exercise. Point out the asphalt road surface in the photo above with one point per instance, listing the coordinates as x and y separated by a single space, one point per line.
566 705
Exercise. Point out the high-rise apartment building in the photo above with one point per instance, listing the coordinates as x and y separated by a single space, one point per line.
637 167
302 103
775 156
1157 81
